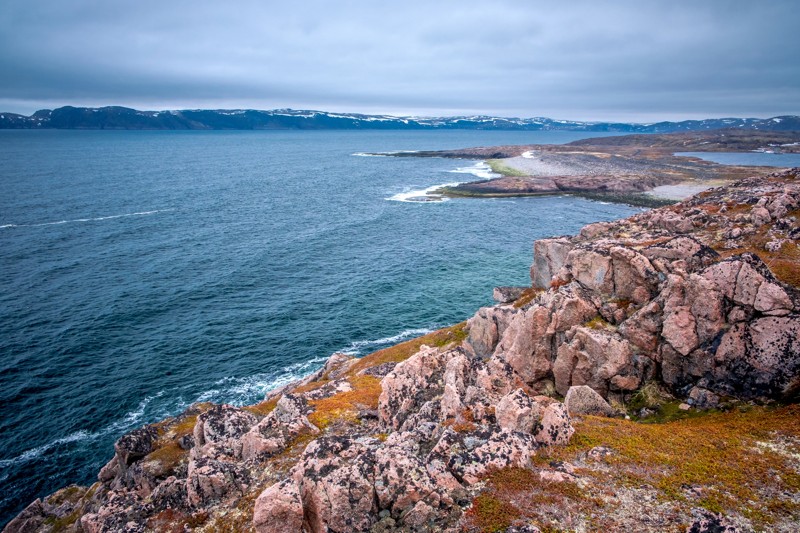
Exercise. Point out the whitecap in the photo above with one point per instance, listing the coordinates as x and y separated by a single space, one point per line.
243 390
384 154
422 195
35 453
357 347
92 219
481 169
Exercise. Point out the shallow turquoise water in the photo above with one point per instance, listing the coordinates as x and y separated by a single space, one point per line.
145 271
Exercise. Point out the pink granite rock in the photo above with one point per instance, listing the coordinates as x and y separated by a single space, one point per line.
515 412
549 255
556 426
279 509
272 434
583 400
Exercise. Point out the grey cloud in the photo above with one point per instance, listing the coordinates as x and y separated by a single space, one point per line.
584 60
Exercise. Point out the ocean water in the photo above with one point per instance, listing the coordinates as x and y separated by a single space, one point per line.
143 271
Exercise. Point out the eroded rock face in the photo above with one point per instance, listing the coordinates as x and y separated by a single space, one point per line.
279 508
272 434
648 298
445 435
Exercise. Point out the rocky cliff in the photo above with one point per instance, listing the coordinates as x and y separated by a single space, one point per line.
462 430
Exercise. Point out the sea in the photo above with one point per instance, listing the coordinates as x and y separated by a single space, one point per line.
143 271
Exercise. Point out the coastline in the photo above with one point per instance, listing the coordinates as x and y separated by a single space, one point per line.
640 170
472 413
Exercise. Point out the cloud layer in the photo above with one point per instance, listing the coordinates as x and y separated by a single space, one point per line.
578 60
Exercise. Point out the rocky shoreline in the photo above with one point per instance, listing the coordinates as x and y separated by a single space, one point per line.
618 169
524 417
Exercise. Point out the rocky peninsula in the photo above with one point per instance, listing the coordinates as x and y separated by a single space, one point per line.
644 381
620 168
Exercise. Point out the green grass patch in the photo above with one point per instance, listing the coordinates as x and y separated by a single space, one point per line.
499 167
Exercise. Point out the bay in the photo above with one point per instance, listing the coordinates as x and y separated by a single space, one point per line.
143 271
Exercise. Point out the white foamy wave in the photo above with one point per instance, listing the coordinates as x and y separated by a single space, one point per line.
384 154
246 390
527 155
357 347
480 169
422 195
92 219
35 453
130 420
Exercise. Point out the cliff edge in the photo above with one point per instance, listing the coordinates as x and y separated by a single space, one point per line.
690 311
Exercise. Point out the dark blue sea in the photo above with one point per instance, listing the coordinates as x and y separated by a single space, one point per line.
141 272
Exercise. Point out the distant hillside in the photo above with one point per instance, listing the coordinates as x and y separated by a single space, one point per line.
123 118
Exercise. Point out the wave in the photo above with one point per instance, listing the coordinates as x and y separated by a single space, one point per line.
37 452
480 169
92 219
357 347
384 154
422 195
245 390
233 390
527 155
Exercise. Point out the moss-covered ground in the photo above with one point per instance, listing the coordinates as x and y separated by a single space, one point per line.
744 463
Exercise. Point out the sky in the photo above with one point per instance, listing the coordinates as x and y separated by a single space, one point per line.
636 61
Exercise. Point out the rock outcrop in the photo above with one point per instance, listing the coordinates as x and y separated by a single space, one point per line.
680 295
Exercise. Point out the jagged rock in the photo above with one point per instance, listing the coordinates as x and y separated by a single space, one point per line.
456 380
223 426
402 480
583 400
556 426
210 480
411 384
272 434
486 327
378 371
134 445
592 268
470 456
549 255
63 507
122 511
506 295
336 477
594 358
515 412
279 509
701 398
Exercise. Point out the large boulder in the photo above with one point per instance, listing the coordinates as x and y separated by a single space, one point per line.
279 509
583 400
274 432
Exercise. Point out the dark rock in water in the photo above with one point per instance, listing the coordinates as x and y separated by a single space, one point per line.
429 198
505 295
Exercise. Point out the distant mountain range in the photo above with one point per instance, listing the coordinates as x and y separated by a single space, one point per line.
123 118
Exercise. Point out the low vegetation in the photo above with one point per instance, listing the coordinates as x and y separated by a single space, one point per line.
743 463
498 167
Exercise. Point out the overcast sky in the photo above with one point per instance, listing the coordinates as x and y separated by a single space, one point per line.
584 60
